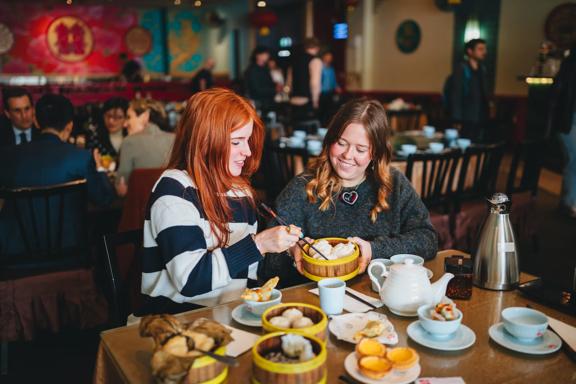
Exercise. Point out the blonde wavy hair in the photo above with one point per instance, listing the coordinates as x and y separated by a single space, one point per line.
325 183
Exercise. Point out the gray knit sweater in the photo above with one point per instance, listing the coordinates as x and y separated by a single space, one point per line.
404 228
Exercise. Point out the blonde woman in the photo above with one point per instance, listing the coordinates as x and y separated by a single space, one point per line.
351 191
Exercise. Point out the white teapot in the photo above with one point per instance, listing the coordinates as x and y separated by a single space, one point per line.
408 287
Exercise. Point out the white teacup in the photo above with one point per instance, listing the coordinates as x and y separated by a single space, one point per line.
463 143
436 147
378 277
300 134
408 149
322 131
451 134
331 292
525 324
428 131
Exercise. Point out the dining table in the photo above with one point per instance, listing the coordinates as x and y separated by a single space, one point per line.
124 357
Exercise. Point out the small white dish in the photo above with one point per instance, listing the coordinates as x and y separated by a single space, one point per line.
344 327
241 315
257 308
548 343
463 338
393 377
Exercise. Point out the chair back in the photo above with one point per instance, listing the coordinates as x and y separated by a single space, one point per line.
123 273
437 174
479 171
527 160
406 120
46 225
140 186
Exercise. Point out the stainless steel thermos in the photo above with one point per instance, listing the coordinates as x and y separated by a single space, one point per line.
496 259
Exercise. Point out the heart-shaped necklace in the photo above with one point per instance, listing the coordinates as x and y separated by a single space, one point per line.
351 197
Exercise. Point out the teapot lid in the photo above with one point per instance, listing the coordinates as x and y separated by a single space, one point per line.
407 266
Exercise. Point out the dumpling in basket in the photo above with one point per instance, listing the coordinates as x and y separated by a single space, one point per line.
342 250
324 247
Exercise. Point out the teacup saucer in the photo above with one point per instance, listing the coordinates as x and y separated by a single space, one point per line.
463 338
548 343
245 317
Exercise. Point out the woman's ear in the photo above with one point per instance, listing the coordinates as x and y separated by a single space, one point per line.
144 118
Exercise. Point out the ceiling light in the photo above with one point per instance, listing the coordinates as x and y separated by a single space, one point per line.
197 3
261 4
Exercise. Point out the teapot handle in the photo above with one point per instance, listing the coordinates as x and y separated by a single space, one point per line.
373 276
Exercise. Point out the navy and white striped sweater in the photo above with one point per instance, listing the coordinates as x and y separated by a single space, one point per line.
181 262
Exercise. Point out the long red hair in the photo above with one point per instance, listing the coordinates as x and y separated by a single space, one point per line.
202 148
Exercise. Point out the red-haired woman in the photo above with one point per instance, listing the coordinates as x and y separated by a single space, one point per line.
200 241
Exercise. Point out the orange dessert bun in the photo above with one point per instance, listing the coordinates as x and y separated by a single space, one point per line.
374 367
370 347
402 358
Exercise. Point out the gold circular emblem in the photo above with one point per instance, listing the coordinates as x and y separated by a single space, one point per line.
70 39
138 41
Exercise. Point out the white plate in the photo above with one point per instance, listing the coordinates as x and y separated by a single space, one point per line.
345 326
548 343
393 377
463 338
243 316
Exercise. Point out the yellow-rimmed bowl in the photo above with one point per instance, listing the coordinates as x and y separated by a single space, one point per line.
319 329
309 372
344 268
206 370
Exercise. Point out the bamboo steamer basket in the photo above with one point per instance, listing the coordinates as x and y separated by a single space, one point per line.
319 329
344 269
267 372
206 370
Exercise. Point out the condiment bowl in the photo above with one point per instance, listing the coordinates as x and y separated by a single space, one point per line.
258 307
438 328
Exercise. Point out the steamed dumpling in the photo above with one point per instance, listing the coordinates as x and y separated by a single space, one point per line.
280 322
342 250
302 322
324 247
292 314
297 346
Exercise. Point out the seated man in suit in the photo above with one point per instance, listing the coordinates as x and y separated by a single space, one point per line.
17 123
46 161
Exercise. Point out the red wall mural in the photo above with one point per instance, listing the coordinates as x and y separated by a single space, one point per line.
66 39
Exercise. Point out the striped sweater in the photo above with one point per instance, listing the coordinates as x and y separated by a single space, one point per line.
181 262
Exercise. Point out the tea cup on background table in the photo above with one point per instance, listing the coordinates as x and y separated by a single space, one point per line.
463 143
428 131
408 149
451 134
331 292
299 134
436 147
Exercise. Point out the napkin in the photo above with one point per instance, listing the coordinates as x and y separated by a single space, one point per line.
440 380
242 342
353 305
565 331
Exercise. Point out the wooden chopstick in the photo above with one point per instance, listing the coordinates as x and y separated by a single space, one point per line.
283 222
356 297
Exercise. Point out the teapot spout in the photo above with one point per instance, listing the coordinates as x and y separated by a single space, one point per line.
439 288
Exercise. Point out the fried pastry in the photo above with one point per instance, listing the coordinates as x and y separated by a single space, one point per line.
262 293
373 328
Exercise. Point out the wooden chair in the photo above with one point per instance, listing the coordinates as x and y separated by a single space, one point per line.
123 276
139 188
47 226
477 182
522 189
438 177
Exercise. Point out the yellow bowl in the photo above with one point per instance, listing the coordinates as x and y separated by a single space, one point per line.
266 371
318 269
318 330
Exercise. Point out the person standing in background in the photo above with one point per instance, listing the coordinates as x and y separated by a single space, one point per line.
278 79
469 95
203 79
563 122
329 89
17 125
304 79
260 87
